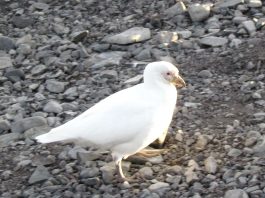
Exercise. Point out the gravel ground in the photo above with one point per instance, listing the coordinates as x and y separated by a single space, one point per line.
58 58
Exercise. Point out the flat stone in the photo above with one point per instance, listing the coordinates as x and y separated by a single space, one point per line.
89 172
38 69
55 86
6 139
177 9
239 19
250 26
6 43
199 12
205 74
184 34
132 35
40 6
158 185
85 156
53 107
134 80
40 174
254 3
22 21
210 165
214 41
111 74
234 152
5 62
15 75
27 123
105 59
35 131
228 3
236 193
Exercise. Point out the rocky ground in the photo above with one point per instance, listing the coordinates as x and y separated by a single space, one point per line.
58 58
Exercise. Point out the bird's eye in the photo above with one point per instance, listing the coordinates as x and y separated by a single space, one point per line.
168 73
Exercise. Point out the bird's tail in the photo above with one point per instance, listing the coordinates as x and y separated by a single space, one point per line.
53 136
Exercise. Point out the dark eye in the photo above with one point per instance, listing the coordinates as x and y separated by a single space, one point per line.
168 73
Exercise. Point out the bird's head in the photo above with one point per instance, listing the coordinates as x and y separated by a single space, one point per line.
164 72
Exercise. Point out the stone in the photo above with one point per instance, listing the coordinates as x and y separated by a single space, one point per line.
214 41
53 107
177 9
191 176
144 55
249 26
110 74
4 125
105 59
210 165
24 49
108 172
35 131
39 175
199 12
40 6
132 35
6 43
38 69
167 37
236 193
79 36
27 123
8 138
227 3
55 86
205 74
22 21
134 80
146 172
158 185
85 156
254 3
201 142
15 75
74 151
234 152
184 34
239 19
89 172
5 62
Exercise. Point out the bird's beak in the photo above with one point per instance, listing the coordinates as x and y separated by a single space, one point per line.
178 81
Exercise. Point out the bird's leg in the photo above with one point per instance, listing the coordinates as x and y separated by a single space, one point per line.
119 170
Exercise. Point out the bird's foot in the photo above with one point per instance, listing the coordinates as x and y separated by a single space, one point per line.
131 179
151 152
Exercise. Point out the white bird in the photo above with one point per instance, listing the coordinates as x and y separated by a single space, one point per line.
128 120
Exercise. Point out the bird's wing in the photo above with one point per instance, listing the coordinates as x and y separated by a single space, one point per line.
116 119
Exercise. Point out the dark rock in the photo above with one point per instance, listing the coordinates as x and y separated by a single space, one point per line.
15 75
22 21
6 43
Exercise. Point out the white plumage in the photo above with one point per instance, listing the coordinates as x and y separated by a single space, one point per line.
129 120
